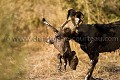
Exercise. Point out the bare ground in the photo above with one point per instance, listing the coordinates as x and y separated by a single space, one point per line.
42 65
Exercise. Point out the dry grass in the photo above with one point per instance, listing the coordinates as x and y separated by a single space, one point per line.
42 65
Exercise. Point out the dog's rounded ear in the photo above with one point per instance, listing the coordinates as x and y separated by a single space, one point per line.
71 12
79 15
68 14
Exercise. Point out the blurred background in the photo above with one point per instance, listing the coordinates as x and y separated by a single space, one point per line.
24 58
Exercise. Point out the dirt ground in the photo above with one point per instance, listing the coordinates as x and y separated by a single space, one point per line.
42 65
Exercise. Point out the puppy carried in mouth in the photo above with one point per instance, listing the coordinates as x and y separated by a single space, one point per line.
61 43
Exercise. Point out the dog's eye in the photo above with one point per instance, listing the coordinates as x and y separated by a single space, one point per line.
58 37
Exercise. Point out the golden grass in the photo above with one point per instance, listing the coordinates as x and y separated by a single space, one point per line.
42 65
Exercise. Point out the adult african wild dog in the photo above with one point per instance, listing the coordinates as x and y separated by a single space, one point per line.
95 39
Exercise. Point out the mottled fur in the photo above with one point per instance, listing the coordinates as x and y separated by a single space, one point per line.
61 43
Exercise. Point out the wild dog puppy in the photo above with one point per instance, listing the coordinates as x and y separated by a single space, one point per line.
61 43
